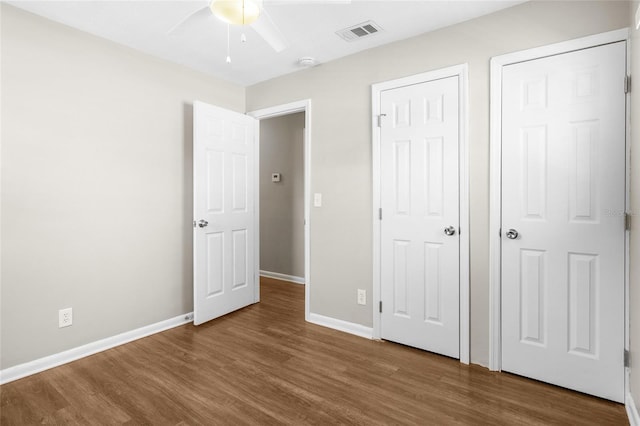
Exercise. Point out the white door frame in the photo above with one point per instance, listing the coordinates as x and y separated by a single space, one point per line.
495 142
277 111
463 162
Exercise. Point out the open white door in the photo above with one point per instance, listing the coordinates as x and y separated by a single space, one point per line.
225 226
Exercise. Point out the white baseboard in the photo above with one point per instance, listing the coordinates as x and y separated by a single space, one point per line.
32 367
632 411
345 326
283 277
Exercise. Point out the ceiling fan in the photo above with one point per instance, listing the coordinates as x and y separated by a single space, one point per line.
247 12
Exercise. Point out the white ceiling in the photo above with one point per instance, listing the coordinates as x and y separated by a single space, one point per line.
308 25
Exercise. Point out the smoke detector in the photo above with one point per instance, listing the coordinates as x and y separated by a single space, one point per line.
359 31
307 62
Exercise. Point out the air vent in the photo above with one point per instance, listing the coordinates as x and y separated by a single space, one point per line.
359 31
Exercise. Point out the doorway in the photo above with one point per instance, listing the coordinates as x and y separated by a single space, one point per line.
304 107
282 197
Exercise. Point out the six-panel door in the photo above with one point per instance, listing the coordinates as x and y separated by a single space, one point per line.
563 192
224 232
419 199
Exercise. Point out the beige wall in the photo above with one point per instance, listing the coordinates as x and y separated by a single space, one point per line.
96 170
634 281
96 185
282 203
341 230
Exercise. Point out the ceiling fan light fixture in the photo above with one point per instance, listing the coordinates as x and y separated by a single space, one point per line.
236 12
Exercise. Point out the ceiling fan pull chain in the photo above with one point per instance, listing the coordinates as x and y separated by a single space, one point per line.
228 48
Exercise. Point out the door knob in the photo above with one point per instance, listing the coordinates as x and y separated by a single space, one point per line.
202 223
512 234
449 230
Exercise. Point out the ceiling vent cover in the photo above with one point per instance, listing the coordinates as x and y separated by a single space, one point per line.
359 31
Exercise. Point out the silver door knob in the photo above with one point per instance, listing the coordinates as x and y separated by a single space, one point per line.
512 234
202 223
449 230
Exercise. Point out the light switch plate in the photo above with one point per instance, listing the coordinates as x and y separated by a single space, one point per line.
317 199
362 297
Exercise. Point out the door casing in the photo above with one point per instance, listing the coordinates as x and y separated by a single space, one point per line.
277 111
495 142
463 162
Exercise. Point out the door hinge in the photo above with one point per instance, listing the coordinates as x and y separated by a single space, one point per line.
380 213
627 83
627 358
500 232
380 306
380 119
627 221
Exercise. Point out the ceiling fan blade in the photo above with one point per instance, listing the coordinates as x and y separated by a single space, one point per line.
198 14
268 30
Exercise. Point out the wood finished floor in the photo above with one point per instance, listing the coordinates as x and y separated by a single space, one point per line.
264 365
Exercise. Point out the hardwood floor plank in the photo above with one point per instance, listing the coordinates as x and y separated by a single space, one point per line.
265 365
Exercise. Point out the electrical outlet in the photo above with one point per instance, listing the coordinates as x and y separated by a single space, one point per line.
362 297
65 317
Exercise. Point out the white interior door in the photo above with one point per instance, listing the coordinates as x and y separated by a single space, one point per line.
563 193
420 247
224 151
